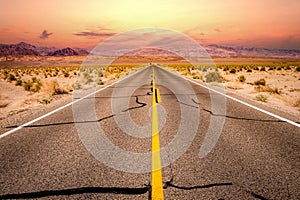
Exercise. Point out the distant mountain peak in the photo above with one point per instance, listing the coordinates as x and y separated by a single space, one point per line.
23 48
64 52
25 44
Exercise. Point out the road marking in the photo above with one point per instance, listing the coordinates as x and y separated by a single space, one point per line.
239 101
157 188
63 107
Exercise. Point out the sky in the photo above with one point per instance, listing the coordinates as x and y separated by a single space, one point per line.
86 23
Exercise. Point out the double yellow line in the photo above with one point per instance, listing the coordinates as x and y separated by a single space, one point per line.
157 187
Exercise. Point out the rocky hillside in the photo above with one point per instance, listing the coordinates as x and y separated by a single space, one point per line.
17 49
238 51
23 48
64 52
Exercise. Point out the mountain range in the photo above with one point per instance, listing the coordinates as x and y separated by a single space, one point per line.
214 50
23 48
240 51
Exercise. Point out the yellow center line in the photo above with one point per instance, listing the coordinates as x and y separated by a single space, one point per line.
157 188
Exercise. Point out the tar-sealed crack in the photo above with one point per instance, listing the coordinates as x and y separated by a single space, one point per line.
81 190
141 104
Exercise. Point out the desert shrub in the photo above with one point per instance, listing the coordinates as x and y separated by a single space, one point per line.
249 70
262 68
89 80
183 73
271 68
59 91
262 98
260 82
232 71
34 85
27 85
5 75
86 75
100 73
56 89
66 74
273 90
45 101
278 68
19 82
35 80
196 77
226 68
259 88
76 86
298 69
11 77
100 82
213 77
255 68
242 78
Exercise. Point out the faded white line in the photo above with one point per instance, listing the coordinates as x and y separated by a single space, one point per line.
63 107
237 100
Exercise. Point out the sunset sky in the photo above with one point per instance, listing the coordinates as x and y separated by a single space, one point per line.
82 23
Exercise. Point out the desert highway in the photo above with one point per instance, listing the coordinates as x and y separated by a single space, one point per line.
255 155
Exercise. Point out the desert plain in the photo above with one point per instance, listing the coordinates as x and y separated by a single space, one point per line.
30 84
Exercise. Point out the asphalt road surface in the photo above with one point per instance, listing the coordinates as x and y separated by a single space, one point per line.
256 156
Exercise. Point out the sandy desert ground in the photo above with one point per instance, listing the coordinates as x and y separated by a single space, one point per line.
280 87
51 81
26 89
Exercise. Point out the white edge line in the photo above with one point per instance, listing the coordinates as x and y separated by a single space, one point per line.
237 100
64 106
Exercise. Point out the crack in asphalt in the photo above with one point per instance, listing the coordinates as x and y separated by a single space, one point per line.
116 190
258 196
231 117
137 101
142 104
170 184
81 190
63 123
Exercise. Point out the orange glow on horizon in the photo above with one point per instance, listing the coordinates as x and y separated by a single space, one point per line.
77 23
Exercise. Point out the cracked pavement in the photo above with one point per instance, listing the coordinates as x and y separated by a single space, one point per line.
256 156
